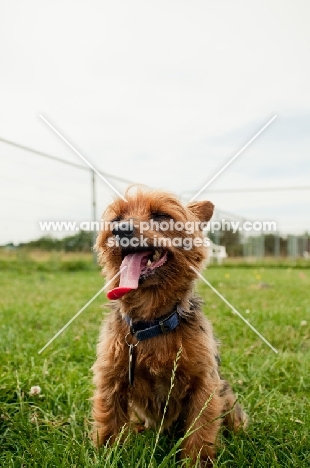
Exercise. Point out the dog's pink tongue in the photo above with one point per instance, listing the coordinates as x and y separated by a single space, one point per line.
129 278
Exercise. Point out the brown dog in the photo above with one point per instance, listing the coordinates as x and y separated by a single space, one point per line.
155 315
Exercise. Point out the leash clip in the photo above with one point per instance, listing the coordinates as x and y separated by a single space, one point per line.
131 360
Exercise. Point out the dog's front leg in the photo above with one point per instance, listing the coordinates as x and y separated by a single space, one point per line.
110 413
202 424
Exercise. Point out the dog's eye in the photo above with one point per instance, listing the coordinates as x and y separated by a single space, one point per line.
116 220
156 215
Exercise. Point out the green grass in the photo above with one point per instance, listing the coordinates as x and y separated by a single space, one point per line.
52 429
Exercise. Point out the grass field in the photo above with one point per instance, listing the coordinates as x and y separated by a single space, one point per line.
52 429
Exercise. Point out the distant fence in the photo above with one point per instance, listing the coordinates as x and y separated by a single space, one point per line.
258 244
274 245
265 246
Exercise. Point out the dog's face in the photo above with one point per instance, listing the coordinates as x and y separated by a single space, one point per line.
153 239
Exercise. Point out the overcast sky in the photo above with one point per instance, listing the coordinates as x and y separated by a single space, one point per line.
158 92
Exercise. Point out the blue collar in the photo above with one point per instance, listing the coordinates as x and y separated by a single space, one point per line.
144 330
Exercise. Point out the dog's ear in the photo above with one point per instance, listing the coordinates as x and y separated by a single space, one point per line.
203 210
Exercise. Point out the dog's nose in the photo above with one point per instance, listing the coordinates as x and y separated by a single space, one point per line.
123 229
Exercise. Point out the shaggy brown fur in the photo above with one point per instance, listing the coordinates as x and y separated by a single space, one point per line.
197 379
